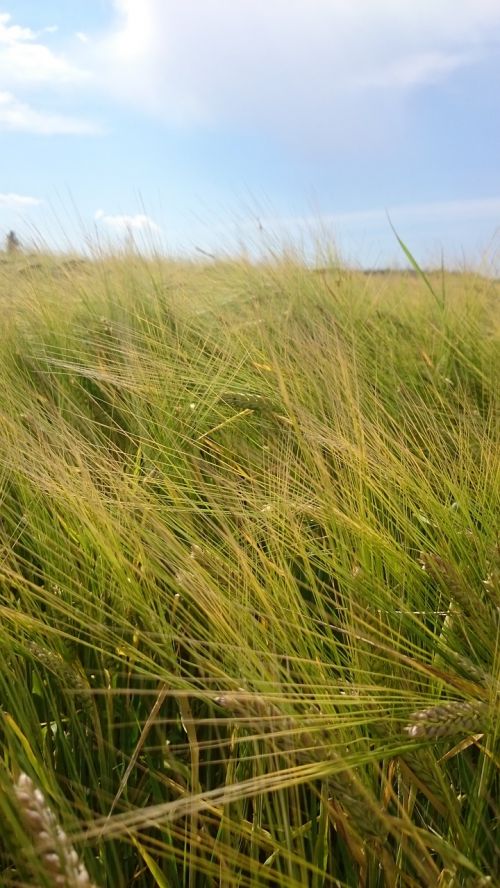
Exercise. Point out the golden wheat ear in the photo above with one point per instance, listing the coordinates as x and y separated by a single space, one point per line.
57 856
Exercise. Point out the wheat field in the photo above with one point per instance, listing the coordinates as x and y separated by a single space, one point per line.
249 575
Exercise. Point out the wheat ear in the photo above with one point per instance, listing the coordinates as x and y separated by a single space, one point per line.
287 736
457 717
58 858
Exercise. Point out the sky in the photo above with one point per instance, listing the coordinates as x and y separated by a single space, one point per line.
230 125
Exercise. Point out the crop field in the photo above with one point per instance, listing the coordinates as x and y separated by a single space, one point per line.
249 576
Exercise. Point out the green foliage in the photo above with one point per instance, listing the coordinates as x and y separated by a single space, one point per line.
249 576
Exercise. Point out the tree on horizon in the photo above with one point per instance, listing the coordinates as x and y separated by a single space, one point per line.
12 242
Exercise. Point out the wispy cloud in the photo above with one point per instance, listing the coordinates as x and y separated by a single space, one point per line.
417 69
28 64
451 210
19 201
12 34
24 60
475 209
21 117
123 223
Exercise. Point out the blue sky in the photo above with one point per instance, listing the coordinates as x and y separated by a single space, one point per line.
210 123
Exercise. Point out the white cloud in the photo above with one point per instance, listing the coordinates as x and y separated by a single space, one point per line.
297 69
19 201
11 34
26 61
21 117
126 224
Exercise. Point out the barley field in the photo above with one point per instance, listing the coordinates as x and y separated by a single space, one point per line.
249 576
